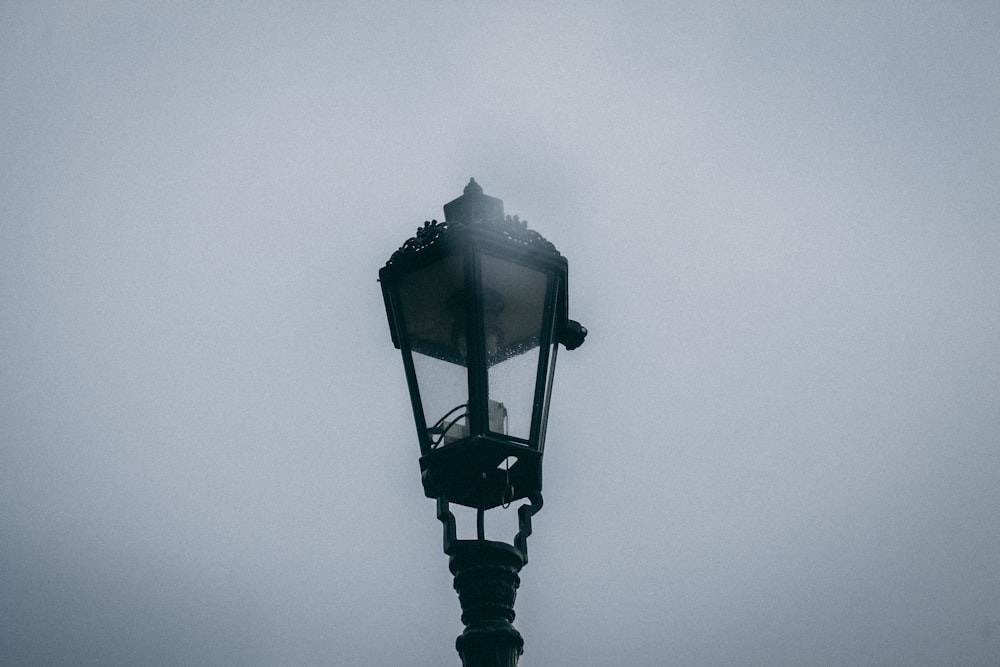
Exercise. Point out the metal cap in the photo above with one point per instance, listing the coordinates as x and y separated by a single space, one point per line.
473 206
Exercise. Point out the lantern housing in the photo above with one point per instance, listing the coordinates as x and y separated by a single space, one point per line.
477 304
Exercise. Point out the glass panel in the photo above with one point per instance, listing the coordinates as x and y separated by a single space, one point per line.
444 393
513 312
434 309
434 315
512 394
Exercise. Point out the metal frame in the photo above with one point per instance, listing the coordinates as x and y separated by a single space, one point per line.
507 240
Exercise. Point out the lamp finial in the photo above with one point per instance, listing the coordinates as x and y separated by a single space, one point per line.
473 206
473 187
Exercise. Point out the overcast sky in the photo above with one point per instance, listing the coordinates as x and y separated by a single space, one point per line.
780 444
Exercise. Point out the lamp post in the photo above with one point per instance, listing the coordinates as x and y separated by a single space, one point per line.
478 306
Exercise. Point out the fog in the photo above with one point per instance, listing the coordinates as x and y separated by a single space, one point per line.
778 446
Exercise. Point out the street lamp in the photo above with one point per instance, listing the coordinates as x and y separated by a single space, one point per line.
477 304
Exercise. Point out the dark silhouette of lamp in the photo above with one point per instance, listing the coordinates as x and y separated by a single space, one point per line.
478 306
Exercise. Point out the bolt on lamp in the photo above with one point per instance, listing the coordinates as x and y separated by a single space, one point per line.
477 304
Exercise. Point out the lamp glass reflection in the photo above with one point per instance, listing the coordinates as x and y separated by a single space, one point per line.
435 325
513 317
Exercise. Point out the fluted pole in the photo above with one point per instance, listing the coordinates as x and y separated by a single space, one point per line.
486 578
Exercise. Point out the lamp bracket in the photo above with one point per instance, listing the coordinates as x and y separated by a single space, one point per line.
447 519
524 514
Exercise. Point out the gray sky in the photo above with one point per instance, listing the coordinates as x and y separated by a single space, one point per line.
779 445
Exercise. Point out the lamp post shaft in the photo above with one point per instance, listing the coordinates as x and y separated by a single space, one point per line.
486 579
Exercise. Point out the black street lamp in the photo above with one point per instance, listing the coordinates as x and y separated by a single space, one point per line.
478 306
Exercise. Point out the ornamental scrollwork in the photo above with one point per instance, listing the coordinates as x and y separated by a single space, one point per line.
517 230
510 227
424 238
